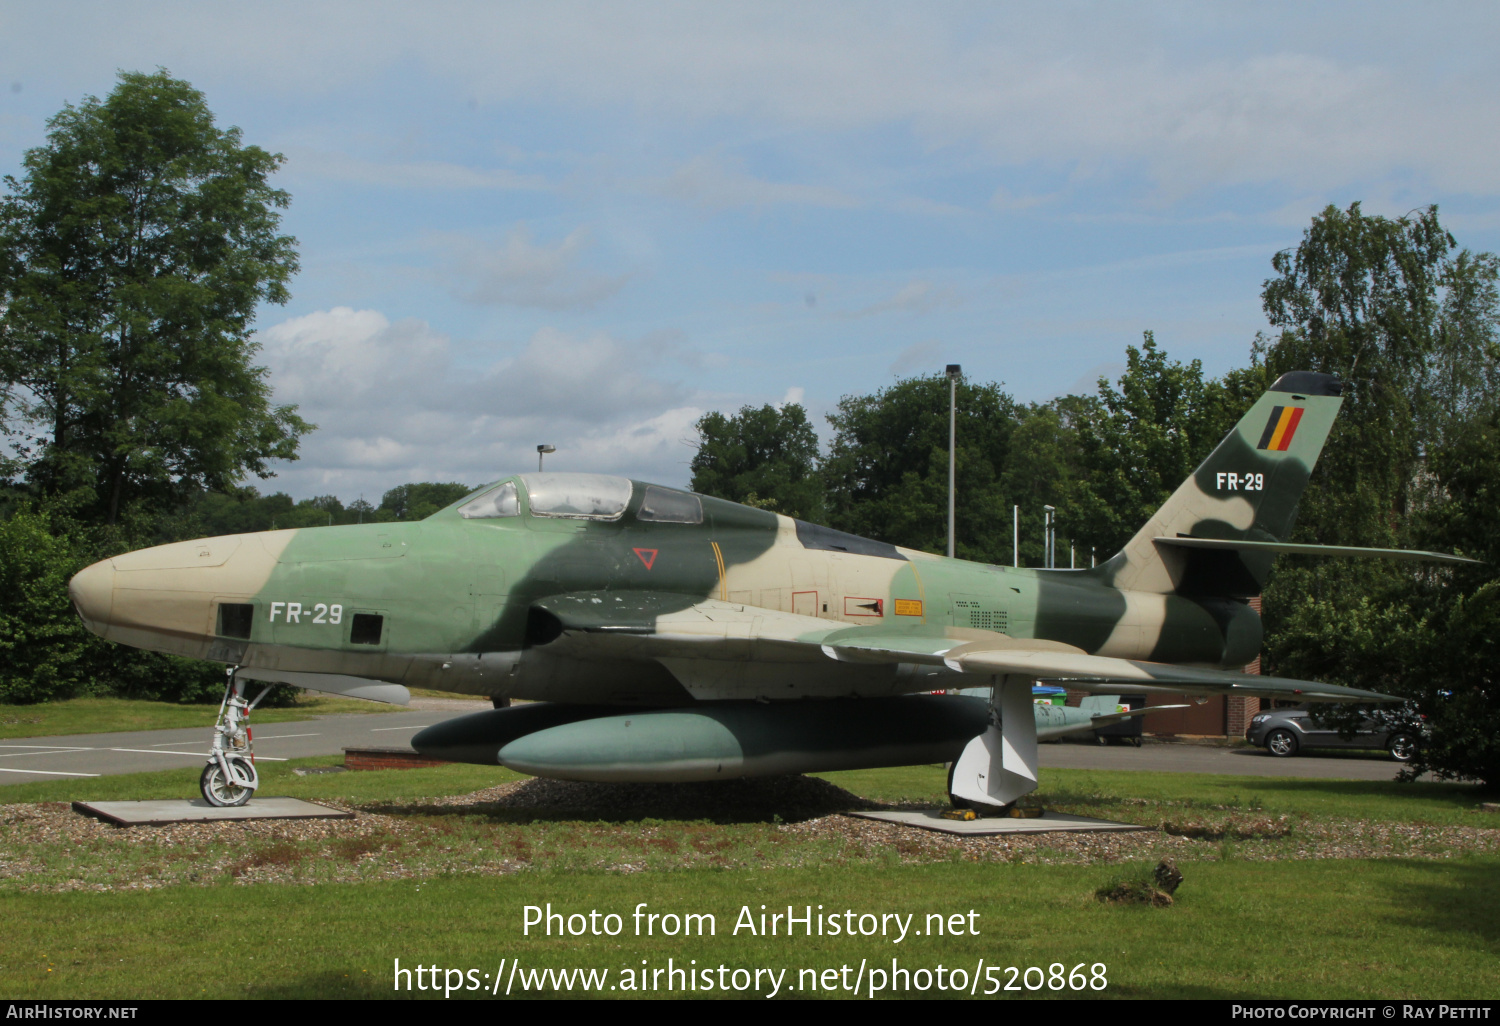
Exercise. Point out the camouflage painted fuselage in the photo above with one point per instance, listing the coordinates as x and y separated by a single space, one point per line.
505 606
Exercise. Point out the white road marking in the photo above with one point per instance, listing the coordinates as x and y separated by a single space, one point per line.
277 737
414 726
61 748
199 755
50 773
55 751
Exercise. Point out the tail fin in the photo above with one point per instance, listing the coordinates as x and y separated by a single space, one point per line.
1247 490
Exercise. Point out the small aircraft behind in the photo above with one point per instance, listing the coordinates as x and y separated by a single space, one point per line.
1090 715
663 635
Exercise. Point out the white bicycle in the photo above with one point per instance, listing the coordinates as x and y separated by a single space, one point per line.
230 778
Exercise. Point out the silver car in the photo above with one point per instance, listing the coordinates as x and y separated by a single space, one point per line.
1285 732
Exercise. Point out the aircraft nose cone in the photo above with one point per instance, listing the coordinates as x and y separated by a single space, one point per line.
92 590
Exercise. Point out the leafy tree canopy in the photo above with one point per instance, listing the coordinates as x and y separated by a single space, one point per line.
1409 325
136 248
244 510
419 501
1042 467
1409 322
767 455
1137 442
887 467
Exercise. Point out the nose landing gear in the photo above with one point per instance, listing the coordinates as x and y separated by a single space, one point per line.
230 778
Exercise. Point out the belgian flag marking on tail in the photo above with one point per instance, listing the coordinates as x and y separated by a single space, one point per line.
1280 428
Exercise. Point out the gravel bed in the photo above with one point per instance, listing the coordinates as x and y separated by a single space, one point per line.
769 799
547 824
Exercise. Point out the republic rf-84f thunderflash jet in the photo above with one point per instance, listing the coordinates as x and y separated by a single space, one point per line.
662 635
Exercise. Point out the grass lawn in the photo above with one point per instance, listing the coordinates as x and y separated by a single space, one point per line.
1143 796
1129 795
106 715
1367 928
1332 889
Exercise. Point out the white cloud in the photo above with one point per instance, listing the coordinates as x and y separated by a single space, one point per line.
709 181
1314 97
393 403
303 162
520 272
918 358
666 441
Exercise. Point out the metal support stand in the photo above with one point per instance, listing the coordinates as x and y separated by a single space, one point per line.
230 777
1000 765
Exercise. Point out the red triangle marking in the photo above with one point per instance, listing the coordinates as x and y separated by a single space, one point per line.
648 556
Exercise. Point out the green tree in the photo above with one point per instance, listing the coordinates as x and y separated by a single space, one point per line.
45 652
887 468
420 500
1041 467
1409 322
137 246
1364 297
1137 442
766 456
1454 676
1464 374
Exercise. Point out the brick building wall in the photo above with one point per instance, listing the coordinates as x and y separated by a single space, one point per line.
387 758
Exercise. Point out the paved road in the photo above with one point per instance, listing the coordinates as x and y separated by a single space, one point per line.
90 755
1189 757
28 759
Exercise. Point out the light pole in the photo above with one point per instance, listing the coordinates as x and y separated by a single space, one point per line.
1049 528
542 451
953 372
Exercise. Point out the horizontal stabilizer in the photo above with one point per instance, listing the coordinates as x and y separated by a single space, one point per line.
1294 549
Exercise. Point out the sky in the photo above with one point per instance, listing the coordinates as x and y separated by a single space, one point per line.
587 224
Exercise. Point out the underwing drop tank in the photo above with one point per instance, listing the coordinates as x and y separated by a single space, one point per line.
712 740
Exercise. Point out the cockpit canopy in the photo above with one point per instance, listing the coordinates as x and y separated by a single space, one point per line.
500 501
583 497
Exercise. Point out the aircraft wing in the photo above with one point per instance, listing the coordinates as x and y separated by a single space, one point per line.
698 638
1084 672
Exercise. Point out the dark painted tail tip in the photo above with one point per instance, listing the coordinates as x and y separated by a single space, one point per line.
1308 383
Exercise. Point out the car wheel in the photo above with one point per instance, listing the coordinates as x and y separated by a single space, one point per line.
1282 743
1403 747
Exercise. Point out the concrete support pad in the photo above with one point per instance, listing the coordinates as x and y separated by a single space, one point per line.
195 810
1049 822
